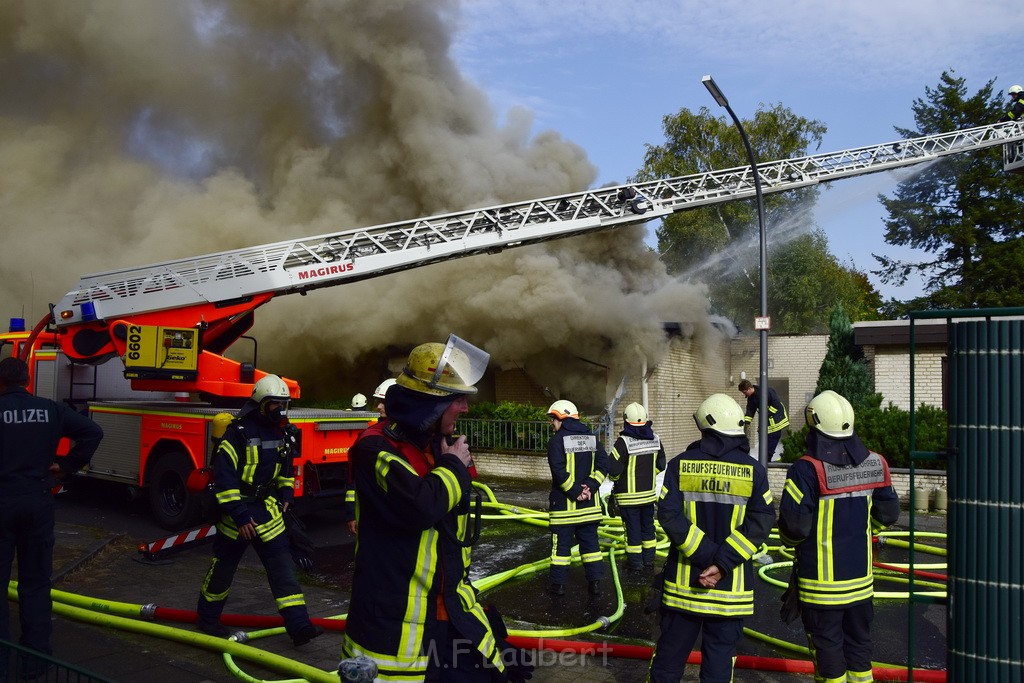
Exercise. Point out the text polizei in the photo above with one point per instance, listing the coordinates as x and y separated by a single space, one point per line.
25 416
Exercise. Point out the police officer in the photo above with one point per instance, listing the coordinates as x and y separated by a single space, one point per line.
835 497
254 485
30 429
579 465
636 459
413 609
778 416
716 509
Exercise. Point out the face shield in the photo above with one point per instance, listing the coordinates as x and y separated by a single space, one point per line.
460 366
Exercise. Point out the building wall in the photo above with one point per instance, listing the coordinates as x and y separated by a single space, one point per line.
890 367
796 358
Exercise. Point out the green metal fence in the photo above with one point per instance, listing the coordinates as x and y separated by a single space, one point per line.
21 663
985 633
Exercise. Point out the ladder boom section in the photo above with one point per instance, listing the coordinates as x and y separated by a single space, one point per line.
326 260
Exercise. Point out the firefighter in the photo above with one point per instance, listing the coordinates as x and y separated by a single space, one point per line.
30 429
379 393
636 459
254 484
778 416
836 496
717 510
413 609
1016 110
578 465
358 402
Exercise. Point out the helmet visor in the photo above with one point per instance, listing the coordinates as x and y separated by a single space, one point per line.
460 367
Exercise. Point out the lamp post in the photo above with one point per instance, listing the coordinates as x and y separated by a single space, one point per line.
762 323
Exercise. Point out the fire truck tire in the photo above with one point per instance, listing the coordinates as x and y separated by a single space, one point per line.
173 505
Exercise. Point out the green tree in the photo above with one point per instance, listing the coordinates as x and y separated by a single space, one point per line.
844 369
719 244
962 211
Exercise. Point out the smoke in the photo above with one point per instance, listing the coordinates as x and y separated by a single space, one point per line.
136 131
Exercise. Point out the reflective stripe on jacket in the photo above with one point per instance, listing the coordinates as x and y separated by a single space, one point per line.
715 510
410 571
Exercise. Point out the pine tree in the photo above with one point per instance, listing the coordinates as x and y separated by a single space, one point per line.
844 369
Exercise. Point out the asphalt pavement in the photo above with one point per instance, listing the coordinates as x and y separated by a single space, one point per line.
96 556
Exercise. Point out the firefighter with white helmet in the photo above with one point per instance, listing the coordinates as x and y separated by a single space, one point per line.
716 508
254 485
358 402
381 392
579 465
836 496
1016 110
636 459
413 609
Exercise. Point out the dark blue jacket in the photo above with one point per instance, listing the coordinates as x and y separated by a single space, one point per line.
30 429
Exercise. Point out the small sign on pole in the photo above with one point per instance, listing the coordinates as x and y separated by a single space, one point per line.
763 322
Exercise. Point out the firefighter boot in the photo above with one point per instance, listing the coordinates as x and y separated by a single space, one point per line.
306 634
208 619
594 587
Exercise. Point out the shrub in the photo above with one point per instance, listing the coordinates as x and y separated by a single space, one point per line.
887 431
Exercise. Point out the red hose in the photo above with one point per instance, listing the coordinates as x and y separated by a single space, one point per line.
916 572
799 666
581 647
186 616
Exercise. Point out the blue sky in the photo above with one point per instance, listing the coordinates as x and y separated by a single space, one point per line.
603 73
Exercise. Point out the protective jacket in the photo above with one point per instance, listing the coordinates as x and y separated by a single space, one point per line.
576 457
253 473
834 498
778 418
30 425
1015 112
636 459
716 508
412 561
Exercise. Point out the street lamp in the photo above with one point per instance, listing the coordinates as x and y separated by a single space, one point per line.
762 323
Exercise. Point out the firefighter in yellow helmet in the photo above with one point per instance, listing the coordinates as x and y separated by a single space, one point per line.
636 459
579 465
716 509
835 497
1016 110
254 484
413 609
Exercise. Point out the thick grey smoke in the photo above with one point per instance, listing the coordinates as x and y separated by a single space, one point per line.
135 131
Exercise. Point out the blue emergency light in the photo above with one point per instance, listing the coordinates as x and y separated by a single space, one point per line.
17 325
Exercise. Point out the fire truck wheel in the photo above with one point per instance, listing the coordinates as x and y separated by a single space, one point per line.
173 506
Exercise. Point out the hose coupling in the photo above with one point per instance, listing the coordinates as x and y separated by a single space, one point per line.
148 611
239 637
604 621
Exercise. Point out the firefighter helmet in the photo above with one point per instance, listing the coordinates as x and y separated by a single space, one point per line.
358 401
831 414
444 369
635 414
720 413
562 409
382 388
270 386
1015 90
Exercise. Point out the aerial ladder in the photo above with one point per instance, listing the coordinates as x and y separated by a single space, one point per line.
216 294
170 323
